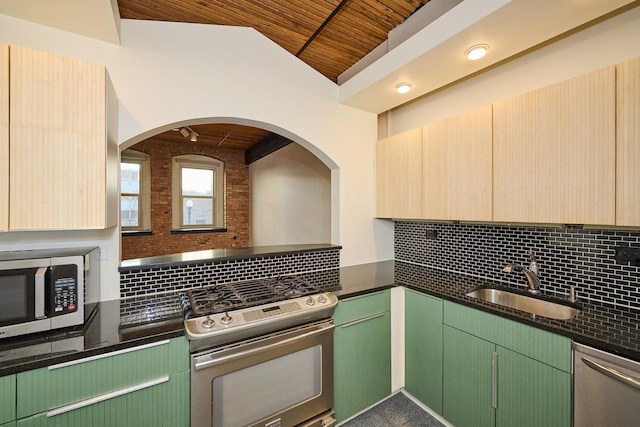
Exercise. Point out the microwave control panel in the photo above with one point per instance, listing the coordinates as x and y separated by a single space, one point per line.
63 296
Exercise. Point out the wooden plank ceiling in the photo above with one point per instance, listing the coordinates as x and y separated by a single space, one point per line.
328 35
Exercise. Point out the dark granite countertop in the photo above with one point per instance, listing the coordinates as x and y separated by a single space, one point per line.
110 325
607 327
118 324
219 255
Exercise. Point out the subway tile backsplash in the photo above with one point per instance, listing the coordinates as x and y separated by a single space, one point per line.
173 278
569 256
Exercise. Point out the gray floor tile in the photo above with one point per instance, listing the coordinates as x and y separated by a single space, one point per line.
396 411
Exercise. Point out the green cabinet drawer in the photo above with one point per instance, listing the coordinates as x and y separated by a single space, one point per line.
160 405
7 398
544 346
56 386
359 307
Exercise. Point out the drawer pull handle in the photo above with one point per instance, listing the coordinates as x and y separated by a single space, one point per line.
108 354
355 322
610 372
494 380
106 396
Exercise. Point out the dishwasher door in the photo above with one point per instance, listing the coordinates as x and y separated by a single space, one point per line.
606 389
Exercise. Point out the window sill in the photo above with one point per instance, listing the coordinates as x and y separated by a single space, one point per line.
198 230
128 233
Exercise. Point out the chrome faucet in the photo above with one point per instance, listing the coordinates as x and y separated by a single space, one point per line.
532 276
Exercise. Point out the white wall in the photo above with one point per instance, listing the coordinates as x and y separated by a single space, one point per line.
607 43
166 74
290 198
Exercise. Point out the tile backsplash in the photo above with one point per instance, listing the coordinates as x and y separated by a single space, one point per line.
172 278
569 256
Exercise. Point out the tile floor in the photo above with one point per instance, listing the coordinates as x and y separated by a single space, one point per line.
396 411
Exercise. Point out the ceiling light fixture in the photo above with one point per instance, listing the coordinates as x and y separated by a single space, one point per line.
403 87
476 51
187 132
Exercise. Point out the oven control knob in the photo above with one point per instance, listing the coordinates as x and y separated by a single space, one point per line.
226 319
322 299
208 323
310 301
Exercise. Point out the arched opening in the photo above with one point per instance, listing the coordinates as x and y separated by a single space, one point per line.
275 189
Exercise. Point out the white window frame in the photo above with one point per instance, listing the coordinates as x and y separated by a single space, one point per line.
193 161
144 202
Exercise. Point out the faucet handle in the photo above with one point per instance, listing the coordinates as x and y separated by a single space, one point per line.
533 264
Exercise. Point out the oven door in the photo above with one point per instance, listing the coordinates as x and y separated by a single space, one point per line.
279 380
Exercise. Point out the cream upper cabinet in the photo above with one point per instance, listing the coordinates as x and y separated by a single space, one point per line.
4 137
628 143
399 175
63 167
554 153
457 164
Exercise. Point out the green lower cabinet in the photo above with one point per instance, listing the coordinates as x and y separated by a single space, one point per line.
11 424
423 348
487 385
362 357
467 379
139 386
531 393
7 399
165 404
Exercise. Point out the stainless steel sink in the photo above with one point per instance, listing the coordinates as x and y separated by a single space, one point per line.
530 304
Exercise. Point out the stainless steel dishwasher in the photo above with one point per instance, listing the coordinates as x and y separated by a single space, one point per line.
606 389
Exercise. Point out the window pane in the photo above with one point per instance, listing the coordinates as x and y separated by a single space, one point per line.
130 178
197 182
129 211
197 211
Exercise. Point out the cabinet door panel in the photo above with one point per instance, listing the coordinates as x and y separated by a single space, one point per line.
362 364
554 153
530 393
7 398
58 142
423 348
628 143
467 379
399 175
457 167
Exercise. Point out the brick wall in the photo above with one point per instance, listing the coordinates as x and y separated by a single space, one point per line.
162 242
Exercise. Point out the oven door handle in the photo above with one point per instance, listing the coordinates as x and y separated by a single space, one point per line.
213 361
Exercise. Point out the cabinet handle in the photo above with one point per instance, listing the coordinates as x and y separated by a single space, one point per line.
106 396
108 354
355 322
39 293
494 380
615 374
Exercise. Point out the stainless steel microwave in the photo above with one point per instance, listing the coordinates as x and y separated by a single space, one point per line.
42 290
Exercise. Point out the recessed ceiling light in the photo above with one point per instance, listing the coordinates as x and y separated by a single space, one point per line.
476 51
403 87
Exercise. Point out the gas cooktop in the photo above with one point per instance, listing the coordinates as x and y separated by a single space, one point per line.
232 296
226 313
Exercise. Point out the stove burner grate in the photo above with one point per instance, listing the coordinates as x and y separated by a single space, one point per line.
232 296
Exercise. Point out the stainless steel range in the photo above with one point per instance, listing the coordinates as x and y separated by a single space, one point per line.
262 354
